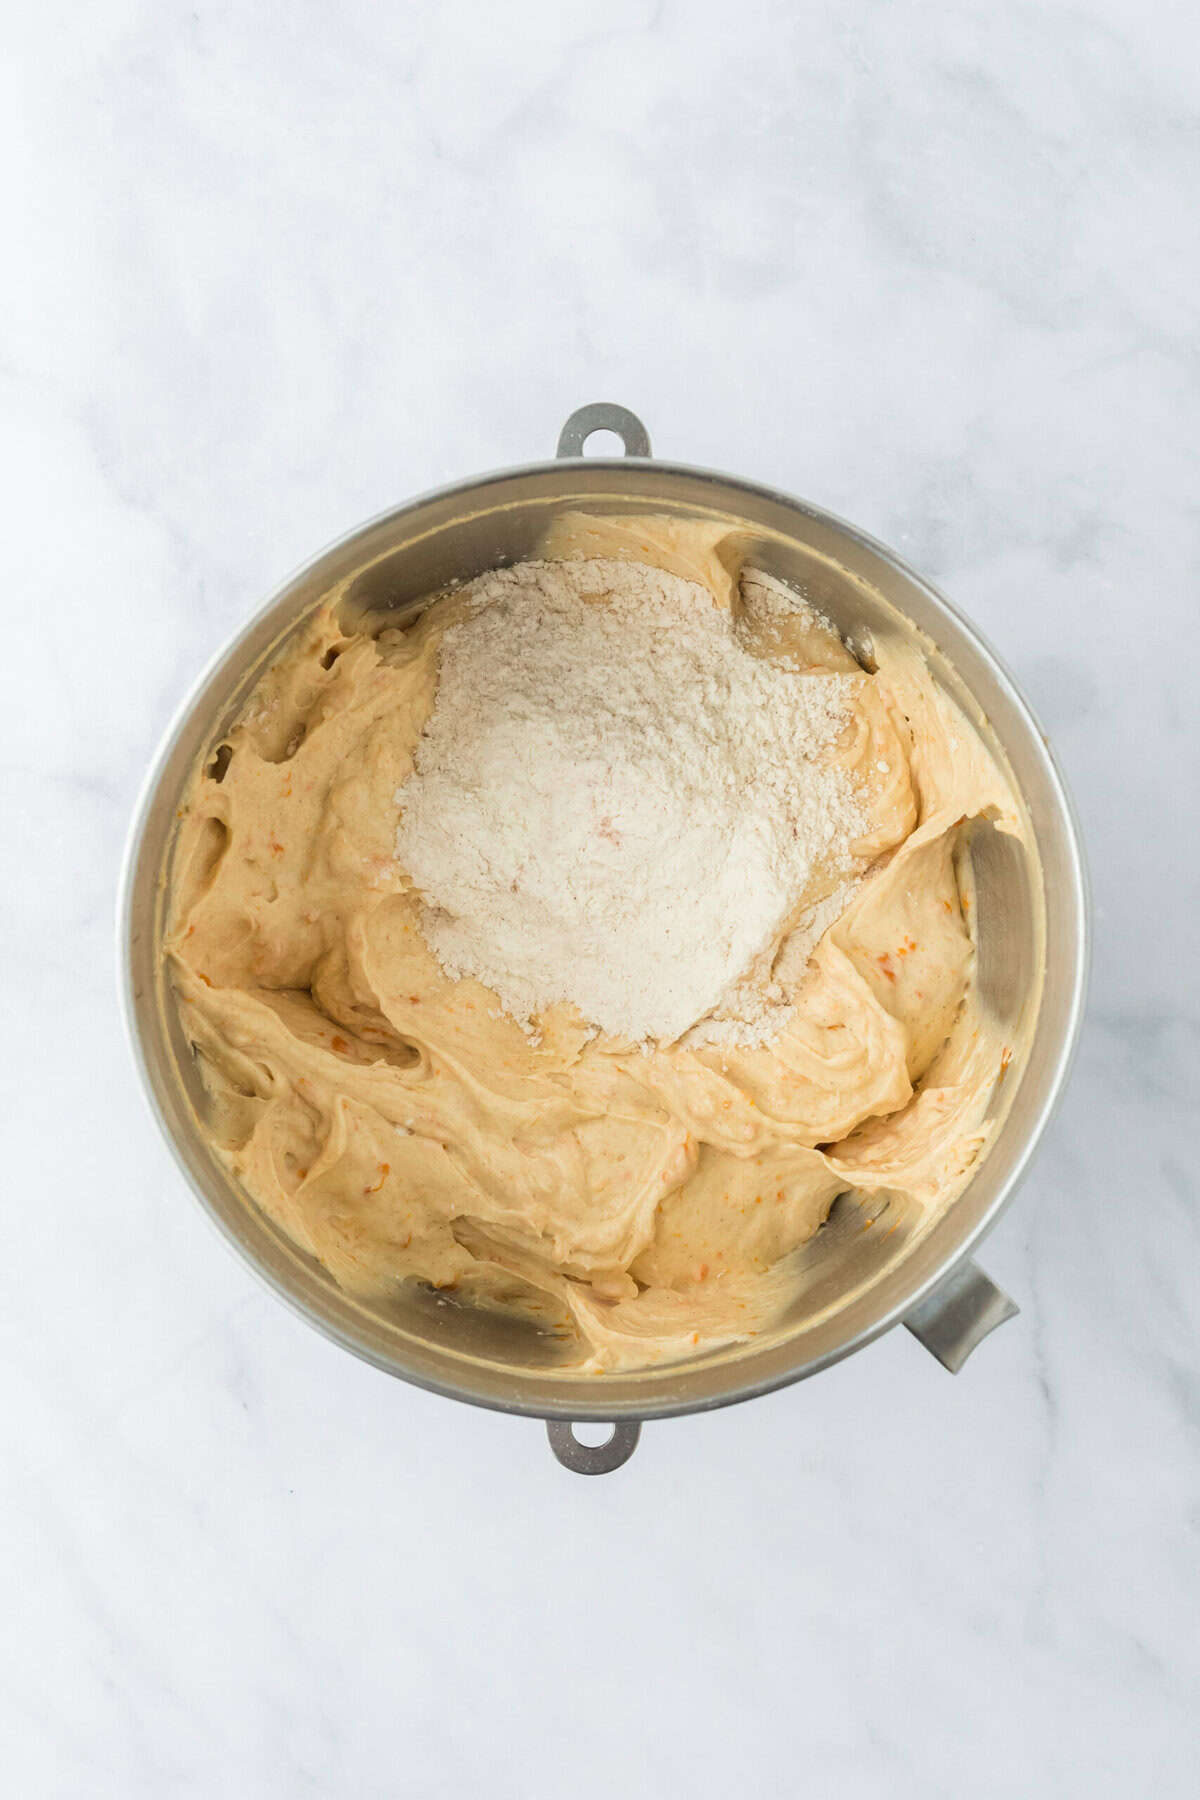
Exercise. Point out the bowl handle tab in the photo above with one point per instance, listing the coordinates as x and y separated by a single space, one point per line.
603 415
593 1459
958 1314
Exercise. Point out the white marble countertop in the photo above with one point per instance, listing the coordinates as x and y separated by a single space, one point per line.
932 266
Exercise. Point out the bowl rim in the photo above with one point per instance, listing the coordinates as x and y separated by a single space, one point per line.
589 1404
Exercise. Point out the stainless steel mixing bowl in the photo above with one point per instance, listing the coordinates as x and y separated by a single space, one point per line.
852 1282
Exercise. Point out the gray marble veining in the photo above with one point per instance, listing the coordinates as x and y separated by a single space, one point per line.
934 267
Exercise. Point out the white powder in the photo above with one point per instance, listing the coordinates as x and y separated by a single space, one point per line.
615 803
753 1011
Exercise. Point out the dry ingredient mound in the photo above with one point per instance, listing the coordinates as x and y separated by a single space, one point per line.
615 802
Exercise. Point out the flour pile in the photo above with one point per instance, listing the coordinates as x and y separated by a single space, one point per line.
615 803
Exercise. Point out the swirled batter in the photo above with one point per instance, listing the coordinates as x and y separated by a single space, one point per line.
642 1199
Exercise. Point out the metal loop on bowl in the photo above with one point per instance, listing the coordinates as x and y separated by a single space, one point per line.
593 1459
603 415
